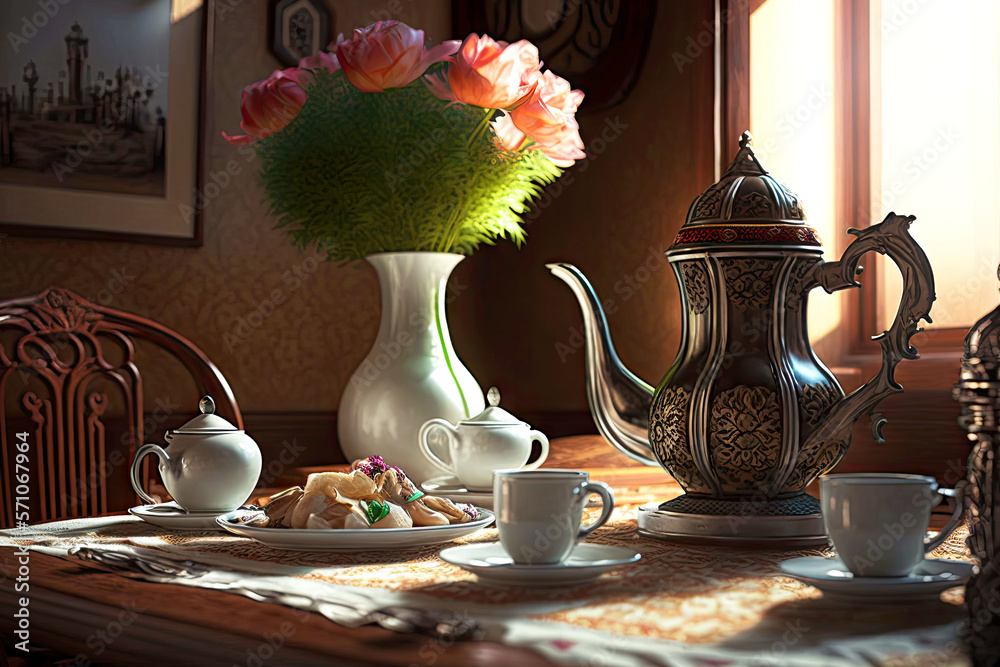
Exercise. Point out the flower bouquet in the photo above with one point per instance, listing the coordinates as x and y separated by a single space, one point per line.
386 145
410 156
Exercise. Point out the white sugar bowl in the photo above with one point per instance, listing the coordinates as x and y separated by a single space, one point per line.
492 440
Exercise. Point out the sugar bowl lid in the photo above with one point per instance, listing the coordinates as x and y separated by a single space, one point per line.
747 207
493 415
207 422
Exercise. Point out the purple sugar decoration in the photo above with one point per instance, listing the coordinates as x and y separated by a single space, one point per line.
372 466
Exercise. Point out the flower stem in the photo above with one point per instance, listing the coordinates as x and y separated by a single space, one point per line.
444 245
478 132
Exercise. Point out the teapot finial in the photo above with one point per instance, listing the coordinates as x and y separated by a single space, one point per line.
493 396
206 406
745 163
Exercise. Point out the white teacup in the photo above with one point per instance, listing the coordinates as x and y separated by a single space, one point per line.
877 521
539 512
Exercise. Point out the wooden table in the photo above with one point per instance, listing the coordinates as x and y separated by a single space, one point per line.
236 625
76 608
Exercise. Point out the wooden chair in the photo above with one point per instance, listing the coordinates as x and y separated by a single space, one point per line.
63 362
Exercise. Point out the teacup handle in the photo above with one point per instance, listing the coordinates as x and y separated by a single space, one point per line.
136 482
958 493
425 447
538 436
607 506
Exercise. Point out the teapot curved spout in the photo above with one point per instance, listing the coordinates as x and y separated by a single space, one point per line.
619 401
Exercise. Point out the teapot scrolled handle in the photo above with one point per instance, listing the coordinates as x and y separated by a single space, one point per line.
139 455
890 237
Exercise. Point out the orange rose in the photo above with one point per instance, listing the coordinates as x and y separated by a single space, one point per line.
508 137
269 105
490 74
388 54
555 133
556 92
549 120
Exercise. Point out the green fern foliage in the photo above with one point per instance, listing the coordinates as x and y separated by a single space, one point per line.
362 173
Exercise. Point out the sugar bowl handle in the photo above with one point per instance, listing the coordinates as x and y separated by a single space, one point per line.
423 439
541 439
136 482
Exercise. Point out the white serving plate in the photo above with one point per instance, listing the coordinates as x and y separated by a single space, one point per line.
351 539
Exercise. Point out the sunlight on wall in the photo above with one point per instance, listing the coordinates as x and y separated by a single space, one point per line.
182 8
940 148
792 120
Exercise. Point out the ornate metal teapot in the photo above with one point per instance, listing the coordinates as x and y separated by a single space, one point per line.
978 392
747 412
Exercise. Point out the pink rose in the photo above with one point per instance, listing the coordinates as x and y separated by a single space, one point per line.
320 61
556 92
549 120
388 54
554 132
490 74
269 105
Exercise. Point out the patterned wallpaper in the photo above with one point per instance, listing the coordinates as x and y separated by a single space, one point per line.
615 217
295 356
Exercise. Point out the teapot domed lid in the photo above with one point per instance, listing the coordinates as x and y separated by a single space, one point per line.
748 206
207 421
493 415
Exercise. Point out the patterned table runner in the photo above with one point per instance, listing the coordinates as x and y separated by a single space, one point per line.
679 605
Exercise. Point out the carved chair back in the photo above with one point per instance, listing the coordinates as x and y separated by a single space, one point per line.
63 361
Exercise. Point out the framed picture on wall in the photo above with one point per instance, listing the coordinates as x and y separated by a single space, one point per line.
599 45
300 28
102 117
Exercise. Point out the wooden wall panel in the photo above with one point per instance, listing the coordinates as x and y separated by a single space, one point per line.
613 215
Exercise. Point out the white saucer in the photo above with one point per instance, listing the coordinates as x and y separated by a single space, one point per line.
492 565
170 515
831 576
448 486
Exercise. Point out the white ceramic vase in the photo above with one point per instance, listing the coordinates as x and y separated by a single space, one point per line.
412 373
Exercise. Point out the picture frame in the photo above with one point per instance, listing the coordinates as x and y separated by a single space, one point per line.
600 45
299 28
172 216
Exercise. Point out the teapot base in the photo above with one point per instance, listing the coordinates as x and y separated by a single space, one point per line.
782 523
